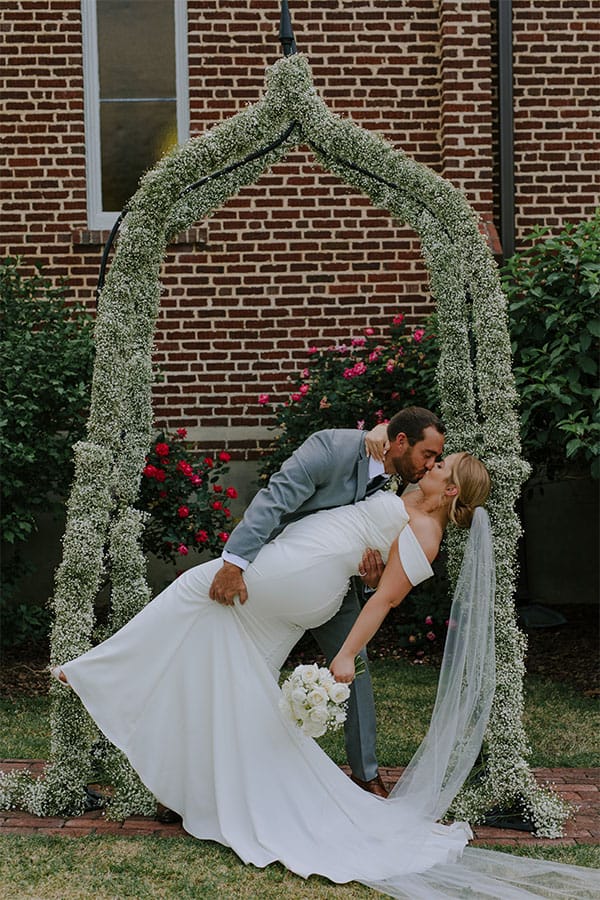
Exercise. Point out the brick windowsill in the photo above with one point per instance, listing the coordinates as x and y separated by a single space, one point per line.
196 236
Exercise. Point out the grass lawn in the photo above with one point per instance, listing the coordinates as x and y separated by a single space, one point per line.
107 868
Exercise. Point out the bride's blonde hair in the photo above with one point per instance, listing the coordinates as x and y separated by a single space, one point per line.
472 479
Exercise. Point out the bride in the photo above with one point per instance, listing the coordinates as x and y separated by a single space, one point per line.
188 691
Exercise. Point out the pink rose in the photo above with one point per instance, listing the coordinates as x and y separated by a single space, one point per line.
360 424
369 331
183 512
196 480
429 620
418 334
231 492
373 356
348 373
430 636
312 350
296 398
162 449
263 399
182 432
399 319
390 365
305 373
358 342
304 389
360 368
182 550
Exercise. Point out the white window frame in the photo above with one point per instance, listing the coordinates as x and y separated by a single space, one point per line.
97 217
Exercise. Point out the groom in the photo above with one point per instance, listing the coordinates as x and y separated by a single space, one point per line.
332 468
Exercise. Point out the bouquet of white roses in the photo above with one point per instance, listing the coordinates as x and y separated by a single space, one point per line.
313 700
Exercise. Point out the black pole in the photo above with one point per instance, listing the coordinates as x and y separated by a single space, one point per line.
286 33
505 103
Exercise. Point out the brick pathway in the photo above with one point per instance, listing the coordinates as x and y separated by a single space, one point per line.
581 787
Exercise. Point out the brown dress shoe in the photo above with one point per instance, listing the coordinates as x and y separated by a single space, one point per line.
167 816
374 786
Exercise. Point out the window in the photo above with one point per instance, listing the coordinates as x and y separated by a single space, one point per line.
136 95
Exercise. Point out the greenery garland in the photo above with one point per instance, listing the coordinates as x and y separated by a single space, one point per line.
478 404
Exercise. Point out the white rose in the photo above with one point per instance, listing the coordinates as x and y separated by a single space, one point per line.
318 697
314 730
339 692
310 674
319 715
339 716
298 696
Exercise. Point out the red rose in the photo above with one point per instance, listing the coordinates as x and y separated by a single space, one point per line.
208 461
224 456
182 550
163 494
150 471
217 504
196 480
231 492
161 475
201 537
183 512
217 488
182 432
162 449
183 466
223 536
227 513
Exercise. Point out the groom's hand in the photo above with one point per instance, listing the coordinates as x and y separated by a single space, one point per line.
228 584
371 568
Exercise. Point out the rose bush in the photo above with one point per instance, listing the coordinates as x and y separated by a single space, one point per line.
181 491
356 384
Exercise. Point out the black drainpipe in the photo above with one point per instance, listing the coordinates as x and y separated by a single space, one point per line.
505 111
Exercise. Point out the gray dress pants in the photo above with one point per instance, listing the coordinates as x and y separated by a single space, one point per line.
359 727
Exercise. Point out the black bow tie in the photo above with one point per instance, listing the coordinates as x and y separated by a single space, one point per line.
383 483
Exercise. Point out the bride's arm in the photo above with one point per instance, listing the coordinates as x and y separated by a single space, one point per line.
393 587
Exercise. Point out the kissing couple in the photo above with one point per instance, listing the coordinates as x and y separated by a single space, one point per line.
188 689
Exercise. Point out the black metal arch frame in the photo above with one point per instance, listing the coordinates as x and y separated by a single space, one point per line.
286 37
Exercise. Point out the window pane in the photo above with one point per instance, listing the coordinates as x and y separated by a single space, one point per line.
133 136
136 48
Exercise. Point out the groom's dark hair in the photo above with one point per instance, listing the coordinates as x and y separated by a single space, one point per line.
412 422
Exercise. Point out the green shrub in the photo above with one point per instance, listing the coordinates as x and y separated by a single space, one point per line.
46 351
553 290
356 385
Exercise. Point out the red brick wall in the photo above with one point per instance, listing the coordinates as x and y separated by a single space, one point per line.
557 103
298 258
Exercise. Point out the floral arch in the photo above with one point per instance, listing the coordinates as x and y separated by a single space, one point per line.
478 405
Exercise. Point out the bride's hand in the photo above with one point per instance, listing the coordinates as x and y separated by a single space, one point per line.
342 668
376 442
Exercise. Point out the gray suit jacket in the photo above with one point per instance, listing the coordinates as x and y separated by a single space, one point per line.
329 469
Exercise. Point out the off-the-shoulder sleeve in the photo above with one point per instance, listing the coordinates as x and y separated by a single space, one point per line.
412 556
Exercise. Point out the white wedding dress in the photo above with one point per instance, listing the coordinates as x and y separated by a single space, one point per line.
188 690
